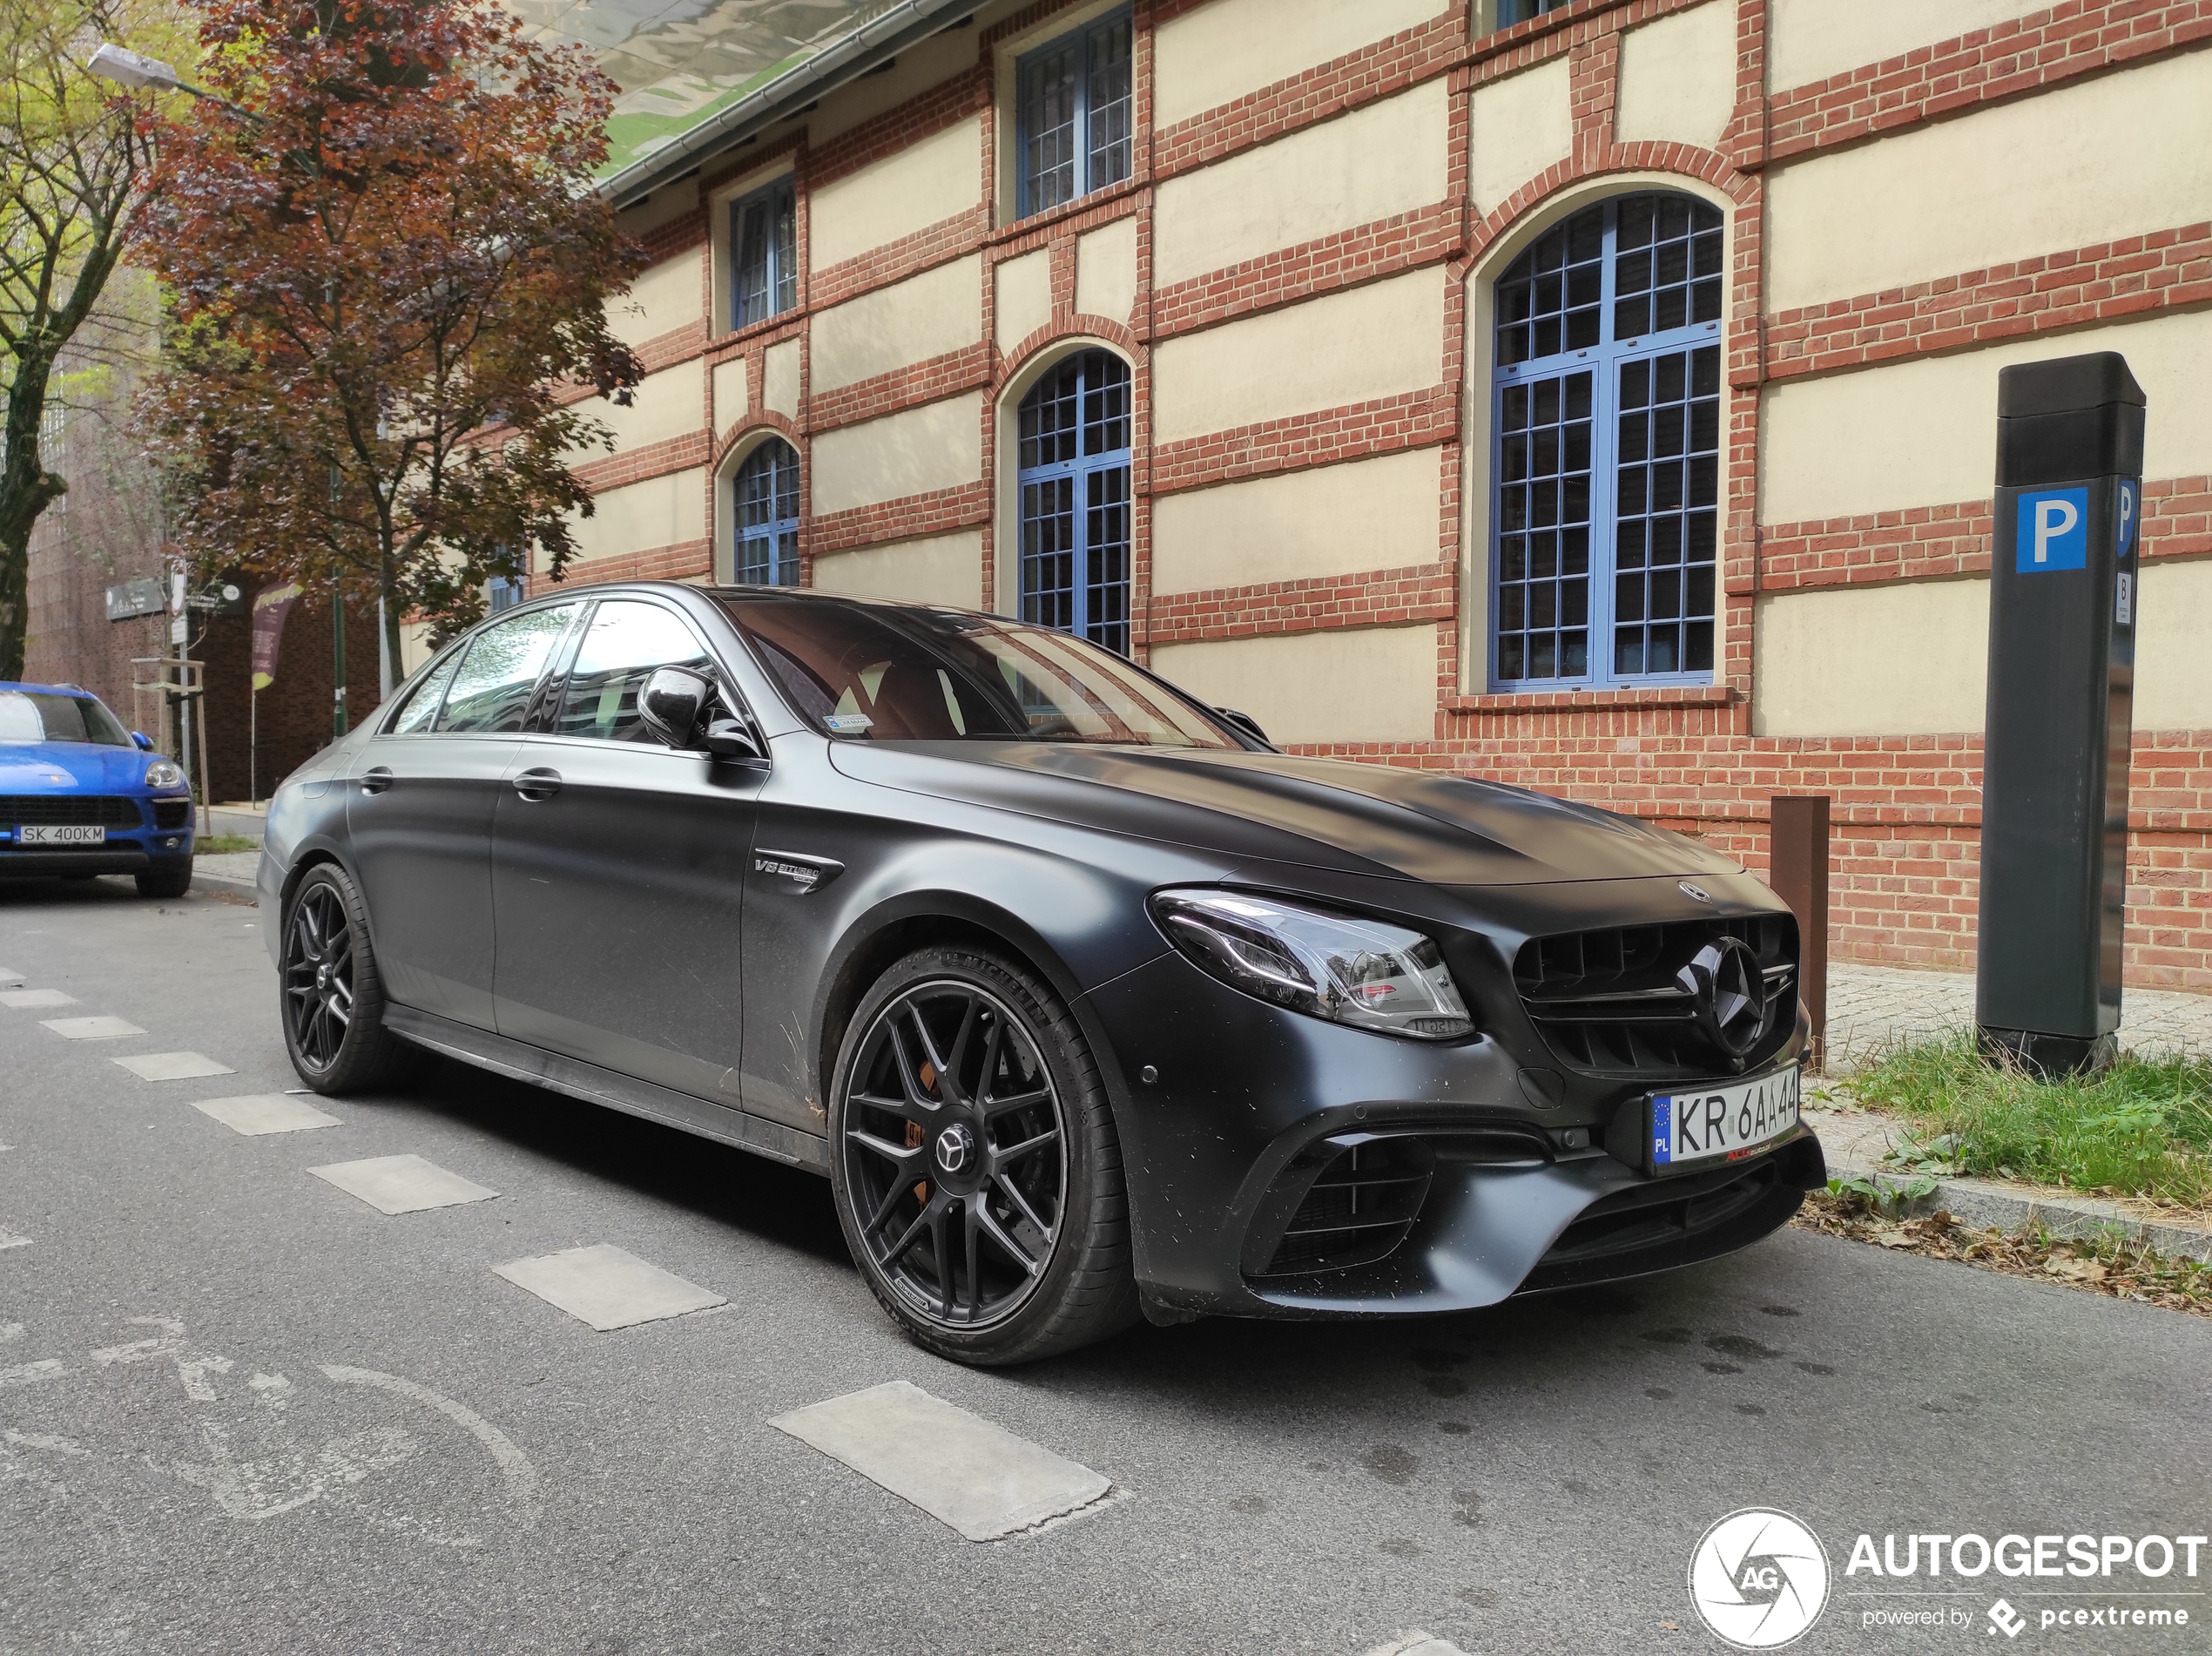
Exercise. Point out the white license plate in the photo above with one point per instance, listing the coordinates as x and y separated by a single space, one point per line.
60 835
1721 1123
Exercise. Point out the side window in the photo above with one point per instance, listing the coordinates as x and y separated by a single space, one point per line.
764 235
626 643
420 710
1077 100
491 690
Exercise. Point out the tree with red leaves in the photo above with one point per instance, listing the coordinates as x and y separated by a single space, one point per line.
387 275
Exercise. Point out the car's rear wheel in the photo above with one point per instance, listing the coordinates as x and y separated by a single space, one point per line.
332 996
977 1172
171 878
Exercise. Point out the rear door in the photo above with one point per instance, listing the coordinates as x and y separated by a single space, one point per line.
419 818
618 871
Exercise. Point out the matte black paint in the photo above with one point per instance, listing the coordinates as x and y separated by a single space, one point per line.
648 957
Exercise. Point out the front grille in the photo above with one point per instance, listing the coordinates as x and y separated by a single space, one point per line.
1667 1210
1357 1209
68 810
1612 1002
173 813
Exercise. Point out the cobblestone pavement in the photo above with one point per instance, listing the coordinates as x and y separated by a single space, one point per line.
1871 1007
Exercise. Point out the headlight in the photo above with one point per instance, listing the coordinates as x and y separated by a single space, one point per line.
165 772
1346 968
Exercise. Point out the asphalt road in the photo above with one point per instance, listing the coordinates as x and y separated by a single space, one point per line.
244 1412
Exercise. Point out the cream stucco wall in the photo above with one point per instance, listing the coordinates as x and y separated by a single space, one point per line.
1106 272
779 379
1374 342
1208 57
1368 514
1388 159
639 516
671 404
916 70
938 312
918 186
939 445
664 298
2172 667
947 568
1678 77
731 395
1811 40
1923 432
1024 303
2087 162
1378 684
1872 660
1517 127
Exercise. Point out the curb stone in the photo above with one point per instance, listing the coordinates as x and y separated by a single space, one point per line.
1854 1145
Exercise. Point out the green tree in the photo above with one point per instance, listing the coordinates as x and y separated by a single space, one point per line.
387 275
74 155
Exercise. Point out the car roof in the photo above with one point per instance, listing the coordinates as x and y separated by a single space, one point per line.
78 691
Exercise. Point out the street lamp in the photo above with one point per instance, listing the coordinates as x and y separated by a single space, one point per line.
142 73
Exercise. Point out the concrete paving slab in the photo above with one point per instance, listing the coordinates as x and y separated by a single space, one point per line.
608 1287
90 1028
173 1066
8 1238
260 1113
9 977
402 1184
979 1479
24 999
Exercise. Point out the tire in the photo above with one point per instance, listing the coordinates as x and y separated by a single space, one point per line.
330 996
170 879
977 1173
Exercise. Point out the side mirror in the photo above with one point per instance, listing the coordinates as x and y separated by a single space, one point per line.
670 701
1244 724
728 738
143 742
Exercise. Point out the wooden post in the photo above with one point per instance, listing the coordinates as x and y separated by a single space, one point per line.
1798 869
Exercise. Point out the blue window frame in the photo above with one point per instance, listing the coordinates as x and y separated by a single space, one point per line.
764 254
1077 105
503 592
1074 500
1607 410
767 498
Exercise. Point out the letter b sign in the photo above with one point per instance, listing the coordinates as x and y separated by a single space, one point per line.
2053 531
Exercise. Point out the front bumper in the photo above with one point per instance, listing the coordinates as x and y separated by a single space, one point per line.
127 849
1249 1098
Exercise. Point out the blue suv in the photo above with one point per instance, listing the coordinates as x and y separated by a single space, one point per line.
80 795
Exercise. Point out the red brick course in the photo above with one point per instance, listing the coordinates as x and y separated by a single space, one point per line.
1369 598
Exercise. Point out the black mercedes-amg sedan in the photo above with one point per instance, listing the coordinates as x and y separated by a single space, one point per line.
1090 1003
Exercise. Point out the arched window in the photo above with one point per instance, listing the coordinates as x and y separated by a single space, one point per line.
1607 409
1075 499
767 516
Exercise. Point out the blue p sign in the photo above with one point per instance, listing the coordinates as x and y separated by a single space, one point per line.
2053 531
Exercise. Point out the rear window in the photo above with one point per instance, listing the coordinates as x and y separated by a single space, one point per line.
39 715
892 674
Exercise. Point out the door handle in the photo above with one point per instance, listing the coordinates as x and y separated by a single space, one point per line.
376 779
538 784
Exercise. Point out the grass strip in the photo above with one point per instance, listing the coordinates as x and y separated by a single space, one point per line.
2143 1128
2109 1265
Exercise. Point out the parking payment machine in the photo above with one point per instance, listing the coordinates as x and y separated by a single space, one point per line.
2065 594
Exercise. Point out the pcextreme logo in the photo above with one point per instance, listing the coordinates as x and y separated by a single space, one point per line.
1759 1578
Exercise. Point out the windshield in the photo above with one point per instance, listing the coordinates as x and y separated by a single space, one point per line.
41 715
892 672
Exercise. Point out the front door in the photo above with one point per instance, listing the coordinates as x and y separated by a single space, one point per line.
419 819
618 873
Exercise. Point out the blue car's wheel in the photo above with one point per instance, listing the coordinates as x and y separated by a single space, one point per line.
331 997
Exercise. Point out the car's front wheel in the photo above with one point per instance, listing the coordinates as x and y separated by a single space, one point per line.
977 1172
332 995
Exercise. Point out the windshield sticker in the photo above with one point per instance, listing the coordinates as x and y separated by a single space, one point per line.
848 724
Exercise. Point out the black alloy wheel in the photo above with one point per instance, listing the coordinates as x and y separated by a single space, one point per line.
331 997
978 1175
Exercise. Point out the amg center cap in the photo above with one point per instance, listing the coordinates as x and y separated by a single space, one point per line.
955 1149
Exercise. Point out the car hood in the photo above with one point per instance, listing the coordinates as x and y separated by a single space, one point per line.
68 767
1323 812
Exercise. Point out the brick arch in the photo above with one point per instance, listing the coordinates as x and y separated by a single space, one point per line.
1684 161
1076 330
752 426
